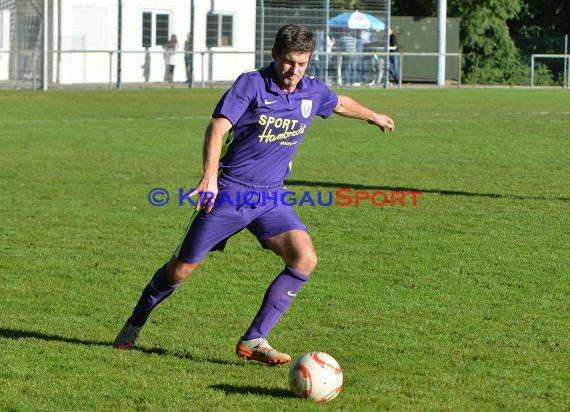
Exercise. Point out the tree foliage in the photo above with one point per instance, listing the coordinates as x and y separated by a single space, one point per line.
542 18
490 55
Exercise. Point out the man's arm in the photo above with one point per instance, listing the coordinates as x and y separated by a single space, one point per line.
213 140
348 107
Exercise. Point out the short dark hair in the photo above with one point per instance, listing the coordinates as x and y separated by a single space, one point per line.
294 37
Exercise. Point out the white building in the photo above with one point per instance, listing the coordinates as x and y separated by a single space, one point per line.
83 39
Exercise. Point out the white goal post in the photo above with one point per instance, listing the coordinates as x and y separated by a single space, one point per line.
566 57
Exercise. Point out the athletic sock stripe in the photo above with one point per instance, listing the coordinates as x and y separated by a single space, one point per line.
296 274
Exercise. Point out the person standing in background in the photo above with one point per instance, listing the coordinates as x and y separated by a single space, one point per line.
394 69
188 59
349 68
146 65
316 67
169 58
362 45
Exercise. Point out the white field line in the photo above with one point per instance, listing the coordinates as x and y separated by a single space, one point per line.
99 120
490 114
433 117
461 118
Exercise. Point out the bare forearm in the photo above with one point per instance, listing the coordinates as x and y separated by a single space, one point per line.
348 107
211 153
212 148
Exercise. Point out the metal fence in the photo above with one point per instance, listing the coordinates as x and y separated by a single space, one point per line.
32 57
23 40
372 72
35 58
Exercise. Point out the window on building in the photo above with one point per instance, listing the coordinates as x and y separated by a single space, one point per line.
219 30
162 28
147 29
160 35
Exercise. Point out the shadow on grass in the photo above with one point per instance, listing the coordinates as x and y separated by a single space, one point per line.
444 192
253 390
24 334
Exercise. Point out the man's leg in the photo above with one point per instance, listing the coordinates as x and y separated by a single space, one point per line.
163 283
206 231
296 249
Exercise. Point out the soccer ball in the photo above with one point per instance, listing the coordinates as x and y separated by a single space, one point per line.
316 376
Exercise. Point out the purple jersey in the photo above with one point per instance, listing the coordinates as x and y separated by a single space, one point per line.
269 123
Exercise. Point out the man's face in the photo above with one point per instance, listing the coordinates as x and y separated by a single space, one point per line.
290 68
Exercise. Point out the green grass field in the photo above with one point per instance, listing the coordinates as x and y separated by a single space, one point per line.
458 303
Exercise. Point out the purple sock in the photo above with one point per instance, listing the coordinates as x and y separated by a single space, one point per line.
158 289
276 301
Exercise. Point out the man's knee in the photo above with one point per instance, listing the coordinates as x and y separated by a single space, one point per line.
305 262
178 271
296 249
312 261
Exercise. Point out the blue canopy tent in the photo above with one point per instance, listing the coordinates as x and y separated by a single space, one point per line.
357 20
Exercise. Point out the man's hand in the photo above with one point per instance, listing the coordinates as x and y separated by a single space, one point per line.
207 191
383 122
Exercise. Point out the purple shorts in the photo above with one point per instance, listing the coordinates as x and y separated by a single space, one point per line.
239 205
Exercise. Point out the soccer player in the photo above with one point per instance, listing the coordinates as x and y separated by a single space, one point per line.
262 118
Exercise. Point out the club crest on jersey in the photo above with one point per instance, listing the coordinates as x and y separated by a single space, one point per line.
306 106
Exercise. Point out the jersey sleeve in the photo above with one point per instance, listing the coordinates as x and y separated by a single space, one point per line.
235 100
329 100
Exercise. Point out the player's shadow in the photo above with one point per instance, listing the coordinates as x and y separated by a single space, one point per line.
444 192
24 334
252 390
